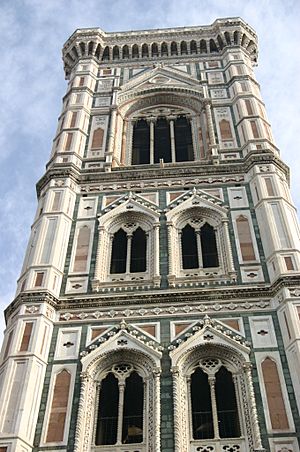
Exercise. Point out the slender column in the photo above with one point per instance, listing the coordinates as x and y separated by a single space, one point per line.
177 411
151 141
172 135
199 248
156 272
120 412
79 433
98 257
128 256
212 381
98 389
189 401
210 125
111 137
123 146
156 374
252 406
228 246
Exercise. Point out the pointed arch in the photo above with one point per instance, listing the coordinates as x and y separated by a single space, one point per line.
174 49
97 51
154 49
91 47
145 50
183 48
164 49
135 51
116 53
193 47
105 55
220 42
82 48
125 51
212 46
203 46
227 38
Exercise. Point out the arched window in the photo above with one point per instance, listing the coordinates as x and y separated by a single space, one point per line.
121 406
245 238
174 50
193 46
183 140
199 247
141 143
135 51
145 50
236 37
164 49
183 48
212 46
119 252
125 51
220 42
91 47
116 53
203 46
227 37
138 251
162 141
129 252
213 402
189 248
105 55
97 51
154 49
82 48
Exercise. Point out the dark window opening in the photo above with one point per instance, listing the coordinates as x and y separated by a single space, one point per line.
226 404
105 55
135 51
154 49
183 48
202 417
132 431
138 251
193 47
107 424
119 252
141 143
174 50
125 52
189 248
183 140
209 247
145 50
162 141
164 49
203 46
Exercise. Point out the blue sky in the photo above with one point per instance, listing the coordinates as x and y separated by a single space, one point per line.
32 34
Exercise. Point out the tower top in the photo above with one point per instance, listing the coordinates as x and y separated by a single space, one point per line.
134 46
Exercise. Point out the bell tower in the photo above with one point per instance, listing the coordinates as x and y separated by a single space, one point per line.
158 305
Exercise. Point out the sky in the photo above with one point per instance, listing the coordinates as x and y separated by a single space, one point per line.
32 85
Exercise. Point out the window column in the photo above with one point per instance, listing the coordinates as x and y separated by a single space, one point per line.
212 381
151 141
128 256
121 384
172 135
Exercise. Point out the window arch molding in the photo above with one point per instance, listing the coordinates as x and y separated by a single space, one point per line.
197 210
96 365
185 360
129 215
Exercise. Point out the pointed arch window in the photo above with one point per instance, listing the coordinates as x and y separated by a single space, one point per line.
121 406
213 402
105 55
135 51
125 51
145 50
199 247
174 50
129 252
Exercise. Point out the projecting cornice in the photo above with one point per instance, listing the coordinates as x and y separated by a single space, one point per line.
153 45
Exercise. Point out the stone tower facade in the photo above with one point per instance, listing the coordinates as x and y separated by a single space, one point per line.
157 307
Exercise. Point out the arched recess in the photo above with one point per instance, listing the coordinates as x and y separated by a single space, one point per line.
198 238
108 367
170 103
209 360
128 247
